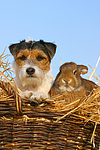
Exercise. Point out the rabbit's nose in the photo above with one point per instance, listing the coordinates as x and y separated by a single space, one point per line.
66 82
70 81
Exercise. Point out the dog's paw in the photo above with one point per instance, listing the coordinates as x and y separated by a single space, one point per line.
26 94
34 95
39 96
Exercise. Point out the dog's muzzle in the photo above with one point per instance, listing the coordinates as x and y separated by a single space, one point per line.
30 71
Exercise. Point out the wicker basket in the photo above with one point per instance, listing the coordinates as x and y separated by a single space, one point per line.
24 124
50 124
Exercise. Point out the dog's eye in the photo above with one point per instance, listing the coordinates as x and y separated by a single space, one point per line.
75 72
39 58
22 57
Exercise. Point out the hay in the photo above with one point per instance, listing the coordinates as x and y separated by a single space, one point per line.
49 124
88 107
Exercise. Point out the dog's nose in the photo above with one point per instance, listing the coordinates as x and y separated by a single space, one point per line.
30 71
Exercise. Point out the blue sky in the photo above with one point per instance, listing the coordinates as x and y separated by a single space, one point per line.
74 25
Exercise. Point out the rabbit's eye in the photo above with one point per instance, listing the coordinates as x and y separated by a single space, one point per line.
75 72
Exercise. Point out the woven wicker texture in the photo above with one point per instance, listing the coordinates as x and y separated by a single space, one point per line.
47 125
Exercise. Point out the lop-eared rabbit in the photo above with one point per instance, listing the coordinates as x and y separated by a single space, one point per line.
69 80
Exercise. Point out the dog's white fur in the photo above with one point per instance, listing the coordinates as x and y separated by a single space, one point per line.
35 87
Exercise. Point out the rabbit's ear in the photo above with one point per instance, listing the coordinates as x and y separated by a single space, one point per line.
82 69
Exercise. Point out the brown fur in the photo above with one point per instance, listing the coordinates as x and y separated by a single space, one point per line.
33 55
70 82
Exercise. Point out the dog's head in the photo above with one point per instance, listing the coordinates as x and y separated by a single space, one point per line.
40 53
32 58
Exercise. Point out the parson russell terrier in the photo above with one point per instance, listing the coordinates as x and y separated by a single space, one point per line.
32 67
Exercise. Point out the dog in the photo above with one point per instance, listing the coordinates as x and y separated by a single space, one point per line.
31 64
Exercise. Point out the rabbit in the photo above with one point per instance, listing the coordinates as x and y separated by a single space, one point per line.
69 80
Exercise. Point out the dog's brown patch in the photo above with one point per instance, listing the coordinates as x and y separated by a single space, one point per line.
38 57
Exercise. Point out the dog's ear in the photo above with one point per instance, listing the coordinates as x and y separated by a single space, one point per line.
51 48
15 48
